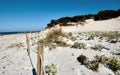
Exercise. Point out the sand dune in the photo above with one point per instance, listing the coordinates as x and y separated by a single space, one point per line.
15 61
90 25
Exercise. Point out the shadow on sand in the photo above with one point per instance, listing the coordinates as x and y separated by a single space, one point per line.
33 69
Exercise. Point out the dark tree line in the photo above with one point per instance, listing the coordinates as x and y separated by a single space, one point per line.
107 14
101 15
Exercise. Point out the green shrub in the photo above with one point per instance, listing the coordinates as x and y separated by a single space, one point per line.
113 40
79 45
110 35
92 36
16 45
51 69
53 36
62 43
93 65
99 47
70 34
36 41
52 47
117 72
102 59
72 38
73 54
118 50
114 64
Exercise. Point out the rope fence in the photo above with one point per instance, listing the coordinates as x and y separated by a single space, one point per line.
40 56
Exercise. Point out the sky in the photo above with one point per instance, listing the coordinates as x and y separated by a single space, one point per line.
32 15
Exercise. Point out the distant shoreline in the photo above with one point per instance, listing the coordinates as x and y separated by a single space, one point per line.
10 33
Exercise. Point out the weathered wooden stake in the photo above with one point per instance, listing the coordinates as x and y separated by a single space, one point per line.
35 35
28 44
38 34
40 59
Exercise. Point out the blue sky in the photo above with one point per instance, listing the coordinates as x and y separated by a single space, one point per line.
26 15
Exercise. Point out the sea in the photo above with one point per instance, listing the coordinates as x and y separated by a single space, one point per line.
9 33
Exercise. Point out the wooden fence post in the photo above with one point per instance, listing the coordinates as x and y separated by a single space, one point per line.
28 44
38 34
40 59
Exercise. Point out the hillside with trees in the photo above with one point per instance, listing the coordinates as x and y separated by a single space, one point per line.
101 15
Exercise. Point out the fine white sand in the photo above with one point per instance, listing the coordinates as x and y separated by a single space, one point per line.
90 25
14 61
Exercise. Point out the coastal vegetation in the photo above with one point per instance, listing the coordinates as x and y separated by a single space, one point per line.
101 15
51 69
112 63
16 45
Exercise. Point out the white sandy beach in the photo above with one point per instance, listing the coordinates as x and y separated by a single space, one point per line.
15 61
90 25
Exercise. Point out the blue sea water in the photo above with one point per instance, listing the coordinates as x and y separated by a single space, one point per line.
9 33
